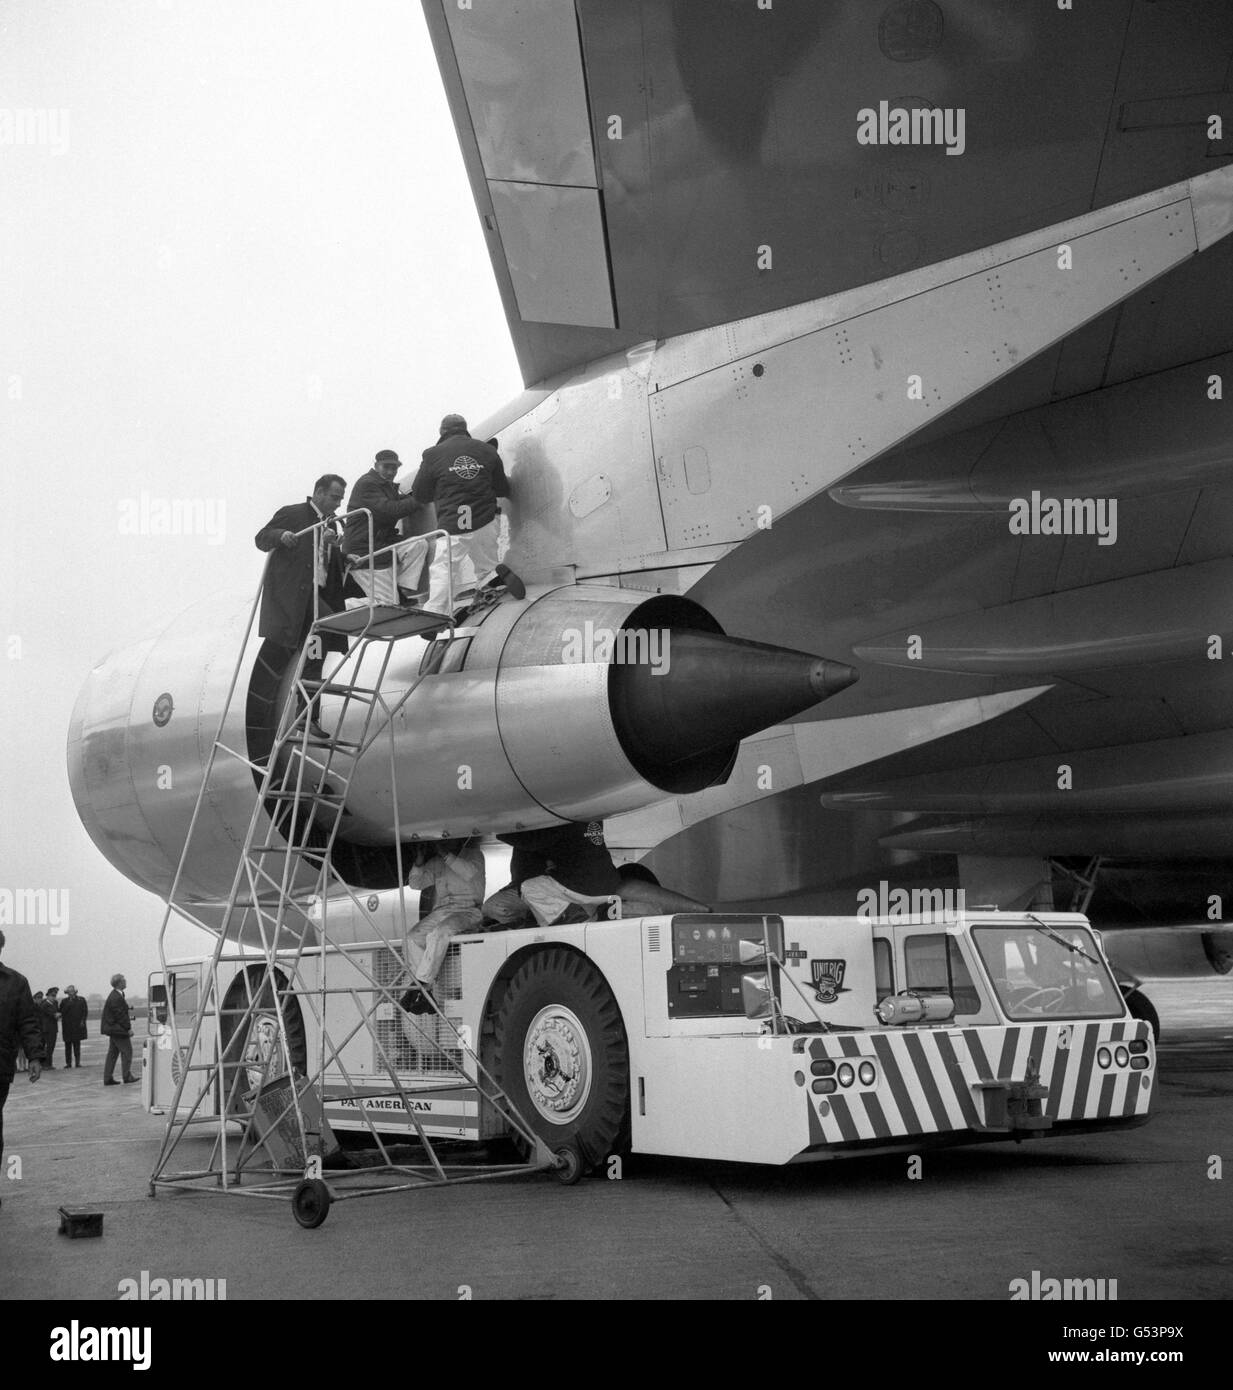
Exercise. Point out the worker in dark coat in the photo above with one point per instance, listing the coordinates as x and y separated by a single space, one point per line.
465 480
393 576
73 1014
49 1007
116 1025
20 1030
296 562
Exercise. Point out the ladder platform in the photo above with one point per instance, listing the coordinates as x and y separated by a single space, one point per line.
382 620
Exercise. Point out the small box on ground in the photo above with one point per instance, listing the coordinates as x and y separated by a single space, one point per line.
77 1222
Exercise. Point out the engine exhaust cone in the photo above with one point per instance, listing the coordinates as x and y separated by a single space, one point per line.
710 693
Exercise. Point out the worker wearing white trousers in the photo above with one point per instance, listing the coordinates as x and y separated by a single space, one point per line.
464 479
472 555
382 583
455 870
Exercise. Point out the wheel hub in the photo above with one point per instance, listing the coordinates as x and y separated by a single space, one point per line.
263 1046
556 1064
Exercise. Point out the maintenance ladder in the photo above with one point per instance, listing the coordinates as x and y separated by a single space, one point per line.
285 864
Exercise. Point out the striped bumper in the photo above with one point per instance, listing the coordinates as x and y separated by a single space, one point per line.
927 1079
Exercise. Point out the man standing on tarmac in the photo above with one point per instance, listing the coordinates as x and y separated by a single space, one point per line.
50 1008
117 1026
73 1014
20 1029
464 478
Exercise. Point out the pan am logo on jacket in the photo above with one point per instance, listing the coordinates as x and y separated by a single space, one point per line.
467 468
828 979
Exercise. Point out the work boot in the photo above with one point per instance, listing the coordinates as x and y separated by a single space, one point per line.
513 585
417 1000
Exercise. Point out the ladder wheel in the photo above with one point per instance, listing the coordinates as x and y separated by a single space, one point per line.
569 1166
310 1203
561 1057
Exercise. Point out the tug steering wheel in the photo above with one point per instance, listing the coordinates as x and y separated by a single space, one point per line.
1051 1004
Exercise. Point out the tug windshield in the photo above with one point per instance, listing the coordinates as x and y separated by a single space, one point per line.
1056 972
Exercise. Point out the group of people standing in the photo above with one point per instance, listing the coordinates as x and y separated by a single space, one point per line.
65 1016
65 1020
29 1024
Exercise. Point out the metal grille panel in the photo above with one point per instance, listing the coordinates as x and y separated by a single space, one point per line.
422 1045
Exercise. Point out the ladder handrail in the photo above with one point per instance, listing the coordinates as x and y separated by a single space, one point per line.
369 560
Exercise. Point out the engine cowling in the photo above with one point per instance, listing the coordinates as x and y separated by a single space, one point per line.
540 715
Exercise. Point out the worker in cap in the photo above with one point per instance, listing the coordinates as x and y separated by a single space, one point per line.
464 479
392 574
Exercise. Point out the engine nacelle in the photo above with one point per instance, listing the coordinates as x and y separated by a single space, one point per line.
140 739
572 704
1169 953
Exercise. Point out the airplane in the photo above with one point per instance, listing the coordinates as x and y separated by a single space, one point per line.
898 333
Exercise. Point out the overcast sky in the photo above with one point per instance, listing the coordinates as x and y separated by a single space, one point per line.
238 250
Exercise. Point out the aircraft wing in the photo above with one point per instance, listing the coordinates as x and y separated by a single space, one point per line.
651 168
633 161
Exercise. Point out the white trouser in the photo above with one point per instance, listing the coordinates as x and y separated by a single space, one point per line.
428 941
403 573
548 899
505 906
479 548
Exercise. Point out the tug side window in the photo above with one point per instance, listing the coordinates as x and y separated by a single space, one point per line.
934 965
883 969
184 995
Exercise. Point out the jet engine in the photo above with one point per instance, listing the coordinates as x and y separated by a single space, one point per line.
573 704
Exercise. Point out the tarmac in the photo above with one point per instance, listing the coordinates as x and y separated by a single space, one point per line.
1143 1207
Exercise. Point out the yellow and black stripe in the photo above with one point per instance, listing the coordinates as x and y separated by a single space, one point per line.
925 1078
